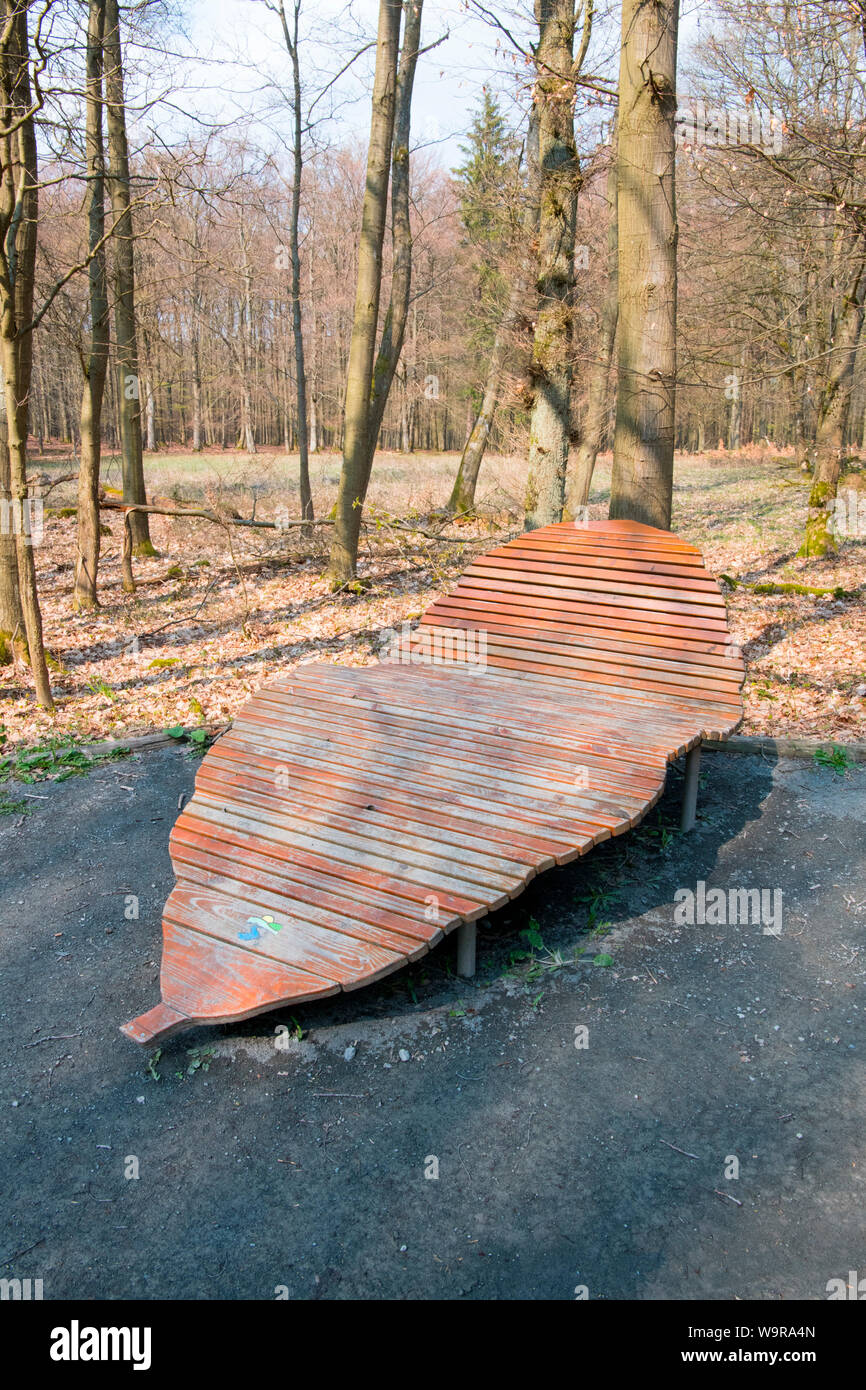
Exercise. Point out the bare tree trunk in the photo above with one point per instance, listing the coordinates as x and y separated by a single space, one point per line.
314 424
832 418
291 39
354 476
599 377
128 382
550 419
394 327
403 377
197 406
316 436
735 417
11 615
247 437
95 363
462 498
642 481
247 434
196 403
150 408
19 211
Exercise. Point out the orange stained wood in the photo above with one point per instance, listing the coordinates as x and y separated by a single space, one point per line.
353 816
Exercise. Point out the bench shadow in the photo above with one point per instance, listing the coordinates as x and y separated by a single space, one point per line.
573 907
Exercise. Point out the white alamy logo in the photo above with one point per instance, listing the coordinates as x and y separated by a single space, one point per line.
20 1290
25 518
438 646
853 1288
736 907
849 513
77 1343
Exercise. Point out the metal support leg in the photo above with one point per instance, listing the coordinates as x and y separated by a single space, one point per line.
690 789
466 935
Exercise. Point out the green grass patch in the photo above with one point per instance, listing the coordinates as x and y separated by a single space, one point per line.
53 760
836 757
198 737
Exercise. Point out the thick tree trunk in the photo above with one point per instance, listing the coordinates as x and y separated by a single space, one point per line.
128 382
559 170
354 476
95 362
832 419
19 212
599 376
643 453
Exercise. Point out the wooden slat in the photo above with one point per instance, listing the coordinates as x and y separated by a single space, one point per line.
310 886
350 873
576 560
614 720
592 581
396 731
530 818
388 812
330 956
492 777
255 869
424 870
497 701
679 674
588 619
499 581
618 704
208 981
694 657
552 814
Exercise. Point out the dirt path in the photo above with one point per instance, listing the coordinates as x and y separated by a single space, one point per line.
559 1167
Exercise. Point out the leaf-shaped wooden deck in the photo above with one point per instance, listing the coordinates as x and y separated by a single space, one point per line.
353 816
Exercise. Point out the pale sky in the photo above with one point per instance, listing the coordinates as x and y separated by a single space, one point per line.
233 46
244 35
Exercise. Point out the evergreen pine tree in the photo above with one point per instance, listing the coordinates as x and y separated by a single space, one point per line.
486 182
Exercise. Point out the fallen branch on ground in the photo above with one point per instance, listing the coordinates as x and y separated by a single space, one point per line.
118 505
769 588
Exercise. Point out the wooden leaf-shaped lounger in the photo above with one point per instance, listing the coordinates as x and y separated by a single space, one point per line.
353 816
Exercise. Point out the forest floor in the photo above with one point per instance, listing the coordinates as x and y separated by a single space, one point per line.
221 610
